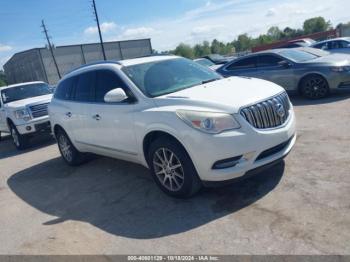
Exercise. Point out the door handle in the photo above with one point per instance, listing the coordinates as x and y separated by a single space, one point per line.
97 117
69 114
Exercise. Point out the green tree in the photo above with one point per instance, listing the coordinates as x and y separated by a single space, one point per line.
316 24
202 49
274 32
184 50
243 43
215 47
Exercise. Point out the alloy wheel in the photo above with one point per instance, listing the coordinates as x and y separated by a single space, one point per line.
66 148
316 88
168 169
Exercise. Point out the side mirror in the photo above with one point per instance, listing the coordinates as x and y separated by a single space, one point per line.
285 64
115 96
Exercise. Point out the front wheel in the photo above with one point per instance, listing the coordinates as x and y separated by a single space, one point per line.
314 87
20 141
172 168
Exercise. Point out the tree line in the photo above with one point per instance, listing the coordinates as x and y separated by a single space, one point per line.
244 42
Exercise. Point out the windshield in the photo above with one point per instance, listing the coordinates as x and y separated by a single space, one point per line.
315 51
297 55
24 91
204 62
168 76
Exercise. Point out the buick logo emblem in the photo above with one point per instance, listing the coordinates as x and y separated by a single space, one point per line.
280 110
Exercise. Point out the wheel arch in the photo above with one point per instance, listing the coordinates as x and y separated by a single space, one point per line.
308 75
9 122
156 134
56 128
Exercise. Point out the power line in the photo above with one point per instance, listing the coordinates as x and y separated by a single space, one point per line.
50 47
99 29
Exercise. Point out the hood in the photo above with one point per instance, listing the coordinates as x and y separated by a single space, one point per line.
227 95
332 59
30 101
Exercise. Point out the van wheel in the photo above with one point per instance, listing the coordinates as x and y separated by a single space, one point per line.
68 151
20 141
314 87
172 168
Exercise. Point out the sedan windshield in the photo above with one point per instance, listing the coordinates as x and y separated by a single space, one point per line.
24 91
168 76
297 55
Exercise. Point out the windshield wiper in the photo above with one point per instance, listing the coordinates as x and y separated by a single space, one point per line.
210 80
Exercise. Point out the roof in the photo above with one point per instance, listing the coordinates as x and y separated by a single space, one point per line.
21 84
120 63
148 59
333 39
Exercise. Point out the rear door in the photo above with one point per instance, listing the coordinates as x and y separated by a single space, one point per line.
274 68
241 67
64 106
82 100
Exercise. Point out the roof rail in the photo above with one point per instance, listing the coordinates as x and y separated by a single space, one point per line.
95 63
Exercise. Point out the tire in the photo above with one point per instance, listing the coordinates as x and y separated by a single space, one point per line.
68 151
172 168
20 141
314 87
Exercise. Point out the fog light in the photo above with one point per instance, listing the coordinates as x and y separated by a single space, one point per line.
28 128
226 163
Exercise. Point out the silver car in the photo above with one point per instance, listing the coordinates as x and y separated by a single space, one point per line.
335 45
314 76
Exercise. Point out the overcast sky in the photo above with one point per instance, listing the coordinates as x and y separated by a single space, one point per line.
167 22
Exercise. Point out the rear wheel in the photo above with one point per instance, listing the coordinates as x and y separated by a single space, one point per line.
20 141
314 87
68 151
172 168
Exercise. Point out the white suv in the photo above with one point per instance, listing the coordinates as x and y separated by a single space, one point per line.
23 111
186 123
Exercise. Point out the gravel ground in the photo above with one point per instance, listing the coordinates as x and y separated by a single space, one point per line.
112 207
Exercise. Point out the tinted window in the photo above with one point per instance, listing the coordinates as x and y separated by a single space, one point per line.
85 87
340 44
64 89
246 63
106 81
321 46
24 91
268 60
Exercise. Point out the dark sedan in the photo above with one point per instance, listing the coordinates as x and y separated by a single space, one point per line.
314 76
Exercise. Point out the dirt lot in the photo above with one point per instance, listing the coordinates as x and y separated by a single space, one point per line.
301 206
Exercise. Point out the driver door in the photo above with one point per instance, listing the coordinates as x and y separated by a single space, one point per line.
275 69
109 127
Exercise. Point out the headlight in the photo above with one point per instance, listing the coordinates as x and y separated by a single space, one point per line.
22 114
340 69
208 122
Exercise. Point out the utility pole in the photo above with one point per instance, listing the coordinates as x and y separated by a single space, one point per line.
50 47
99 29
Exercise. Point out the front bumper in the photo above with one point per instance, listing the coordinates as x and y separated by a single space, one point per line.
248 142
37 126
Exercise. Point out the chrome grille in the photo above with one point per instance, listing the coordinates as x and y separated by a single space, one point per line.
268 114
39 110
